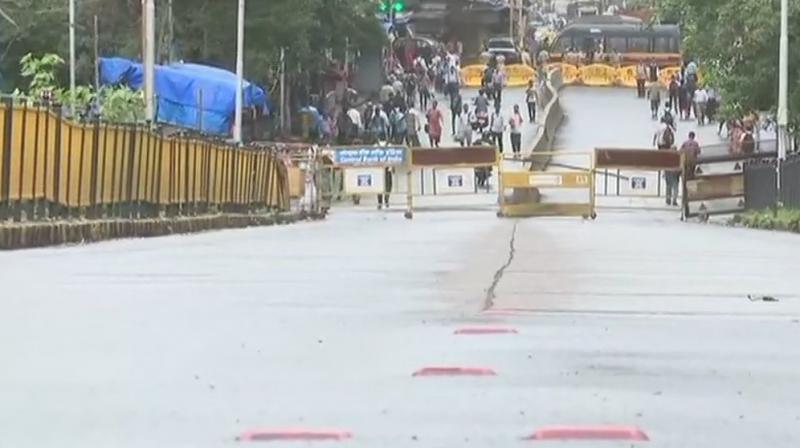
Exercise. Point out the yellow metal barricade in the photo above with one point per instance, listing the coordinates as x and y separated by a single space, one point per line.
564 189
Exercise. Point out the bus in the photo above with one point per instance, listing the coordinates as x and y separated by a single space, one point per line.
632 42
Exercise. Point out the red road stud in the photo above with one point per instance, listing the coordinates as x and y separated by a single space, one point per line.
589 433
454 371
300 434
486 330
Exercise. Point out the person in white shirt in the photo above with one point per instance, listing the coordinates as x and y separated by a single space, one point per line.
355 122
700 103
498 82
515 125
497 126
464 132
413 125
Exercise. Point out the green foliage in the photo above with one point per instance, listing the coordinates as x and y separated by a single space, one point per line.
41 71
736 43
122 105
205 32
786 219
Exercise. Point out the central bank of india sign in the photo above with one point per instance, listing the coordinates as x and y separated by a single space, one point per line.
370 156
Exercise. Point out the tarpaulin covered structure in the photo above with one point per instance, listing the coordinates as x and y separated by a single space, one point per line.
188 95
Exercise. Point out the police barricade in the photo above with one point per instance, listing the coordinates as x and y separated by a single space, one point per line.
564 189
452 172
637 175
517 75
598 75
602 75
472 74
360 170
716 184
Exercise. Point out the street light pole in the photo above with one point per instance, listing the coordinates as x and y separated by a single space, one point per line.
72 53
237 124
149 60
783 90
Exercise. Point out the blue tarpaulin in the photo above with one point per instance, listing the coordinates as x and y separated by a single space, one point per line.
179 89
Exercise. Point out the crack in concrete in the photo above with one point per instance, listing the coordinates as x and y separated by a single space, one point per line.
488 301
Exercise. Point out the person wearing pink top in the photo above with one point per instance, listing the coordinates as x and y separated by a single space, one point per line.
435 124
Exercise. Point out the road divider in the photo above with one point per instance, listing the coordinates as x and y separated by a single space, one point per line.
295 434
454 371
580 432
486 330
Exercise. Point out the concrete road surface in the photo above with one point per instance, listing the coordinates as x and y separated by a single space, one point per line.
187 341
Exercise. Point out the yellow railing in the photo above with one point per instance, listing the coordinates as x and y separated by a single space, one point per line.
51 167
589 75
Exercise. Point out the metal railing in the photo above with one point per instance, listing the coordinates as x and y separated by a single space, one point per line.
54 168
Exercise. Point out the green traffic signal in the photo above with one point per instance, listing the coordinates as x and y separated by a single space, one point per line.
383 6
399 6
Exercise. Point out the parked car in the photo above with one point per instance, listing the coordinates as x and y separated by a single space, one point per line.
502 46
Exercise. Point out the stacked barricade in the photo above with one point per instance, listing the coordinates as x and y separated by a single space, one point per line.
599 75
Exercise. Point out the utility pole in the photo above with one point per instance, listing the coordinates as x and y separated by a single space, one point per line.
511 18
171 33
149 18
72 54
783 92
282 109
237 123
96 57
521 28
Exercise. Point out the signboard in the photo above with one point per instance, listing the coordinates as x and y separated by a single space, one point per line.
455 181
364 180
638 183
370 156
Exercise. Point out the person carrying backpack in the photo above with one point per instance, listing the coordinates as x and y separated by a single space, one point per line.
664 139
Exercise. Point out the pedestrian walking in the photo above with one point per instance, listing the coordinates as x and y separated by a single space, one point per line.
383 199
498 82
700 104
497 126
464 122
654 95
456 104
530 100
452 78
653 71
435 124
664 139
691 151
398 126
379 125
413 120
674 91
641 78
515 126
424 90
355 124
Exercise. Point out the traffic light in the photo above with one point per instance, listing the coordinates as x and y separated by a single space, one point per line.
386 6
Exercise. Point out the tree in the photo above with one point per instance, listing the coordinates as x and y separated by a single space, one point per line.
204 32
736 43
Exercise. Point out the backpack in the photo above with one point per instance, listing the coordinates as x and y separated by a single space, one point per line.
667 137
